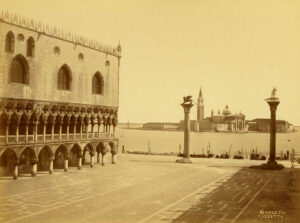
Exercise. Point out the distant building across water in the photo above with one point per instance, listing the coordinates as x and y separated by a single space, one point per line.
263 125
161 125
130 125
225 122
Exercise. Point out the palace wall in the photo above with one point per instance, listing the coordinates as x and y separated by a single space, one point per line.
44 67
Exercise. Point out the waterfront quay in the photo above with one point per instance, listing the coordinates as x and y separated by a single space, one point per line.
140 188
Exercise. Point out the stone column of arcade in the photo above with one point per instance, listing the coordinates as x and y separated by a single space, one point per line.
74 129
99 128
34 167
26 129
68 126
66 165
103 152
52 129
79 160
98 158
92 158
187 105
51 165
92 129
87 131
81 126
35 131
44 129
114 151
17 129
7 130
60 127
16 170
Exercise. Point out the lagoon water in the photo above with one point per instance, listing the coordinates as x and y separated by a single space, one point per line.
169 141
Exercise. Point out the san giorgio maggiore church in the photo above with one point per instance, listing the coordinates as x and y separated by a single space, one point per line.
220 122
59 98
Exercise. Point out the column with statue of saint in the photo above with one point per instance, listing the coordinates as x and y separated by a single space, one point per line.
273 102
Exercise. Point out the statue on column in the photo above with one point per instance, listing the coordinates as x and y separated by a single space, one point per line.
187 99
273 94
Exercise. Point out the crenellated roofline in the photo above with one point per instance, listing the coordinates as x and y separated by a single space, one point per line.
57 33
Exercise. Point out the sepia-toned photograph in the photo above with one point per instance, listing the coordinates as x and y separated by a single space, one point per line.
150 111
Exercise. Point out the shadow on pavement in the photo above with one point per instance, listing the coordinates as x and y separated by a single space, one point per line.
248 196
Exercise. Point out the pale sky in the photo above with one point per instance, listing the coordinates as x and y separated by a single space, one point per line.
236 50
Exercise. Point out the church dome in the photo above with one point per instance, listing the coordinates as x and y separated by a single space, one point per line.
226 111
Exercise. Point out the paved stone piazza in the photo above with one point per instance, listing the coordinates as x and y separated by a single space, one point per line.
141 188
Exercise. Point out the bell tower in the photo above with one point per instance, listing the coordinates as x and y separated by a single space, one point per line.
200 107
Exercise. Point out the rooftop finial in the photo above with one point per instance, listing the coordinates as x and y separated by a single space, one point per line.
57 33
119 48
200 93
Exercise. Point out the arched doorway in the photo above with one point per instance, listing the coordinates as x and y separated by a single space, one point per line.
27 158
74 156
44 159
8 160
61 154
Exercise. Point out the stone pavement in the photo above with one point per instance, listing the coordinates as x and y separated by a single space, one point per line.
138 189
228 200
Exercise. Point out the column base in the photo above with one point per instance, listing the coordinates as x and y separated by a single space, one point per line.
184 160
33 174
50 171
270 165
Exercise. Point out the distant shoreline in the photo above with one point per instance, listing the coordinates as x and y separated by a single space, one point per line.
179 130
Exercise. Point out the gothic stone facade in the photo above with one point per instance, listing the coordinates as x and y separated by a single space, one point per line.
59 96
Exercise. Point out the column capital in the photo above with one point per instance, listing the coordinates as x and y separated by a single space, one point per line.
273 103
16 162
187 107
68 118
34 161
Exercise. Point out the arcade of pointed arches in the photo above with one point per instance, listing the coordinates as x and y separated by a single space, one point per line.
27 125
49 157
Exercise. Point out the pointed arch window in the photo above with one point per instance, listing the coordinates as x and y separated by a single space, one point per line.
10 42
19 71
64 78
30 47
98 83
